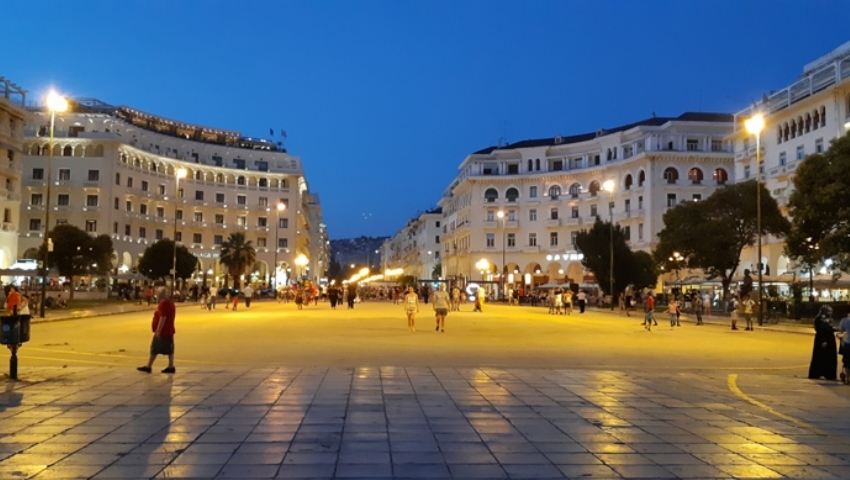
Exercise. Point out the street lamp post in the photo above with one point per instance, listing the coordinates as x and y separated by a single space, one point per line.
178 174
755 125
501 215
301 261
280 208
55 103
608 186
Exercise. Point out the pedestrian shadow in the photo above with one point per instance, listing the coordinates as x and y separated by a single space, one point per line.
10 397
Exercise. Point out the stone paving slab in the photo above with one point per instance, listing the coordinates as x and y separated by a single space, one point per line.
392 422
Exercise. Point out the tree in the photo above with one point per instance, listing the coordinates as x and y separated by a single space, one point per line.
237 255
629 267
820 226
437 271
711 234
335 270
158 258
76 253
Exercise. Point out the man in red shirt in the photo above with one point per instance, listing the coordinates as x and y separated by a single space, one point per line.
649 319
163 333
13 300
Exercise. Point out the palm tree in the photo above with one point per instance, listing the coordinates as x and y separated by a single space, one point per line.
237 254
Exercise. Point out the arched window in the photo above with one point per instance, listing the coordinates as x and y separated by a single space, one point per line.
695 176
240 180
264 183
593 188
530 164
779 134
537 164
197 175
512 194
137 162
608 156
219 178
627 183
800 126
153 166
554 192
671 175
124 158
491 195
720 176
575 190
68 151
808 123
786 133
641 178
822 116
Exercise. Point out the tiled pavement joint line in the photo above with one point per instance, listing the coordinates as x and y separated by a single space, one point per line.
733 387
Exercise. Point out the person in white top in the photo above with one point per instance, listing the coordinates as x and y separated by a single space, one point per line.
411 307
249 294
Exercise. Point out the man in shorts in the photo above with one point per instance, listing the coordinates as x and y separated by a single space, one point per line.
162 326
441 307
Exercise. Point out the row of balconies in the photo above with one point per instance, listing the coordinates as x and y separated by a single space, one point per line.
9 227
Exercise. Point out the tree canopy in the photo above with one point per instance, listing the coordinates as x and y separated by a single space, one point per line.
820 208
630 268
237 255
711 234
77 253
157 260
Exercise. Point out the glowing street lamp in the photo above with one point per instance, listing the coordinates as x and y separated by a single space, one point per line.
301 261
179 174
755 125
55 103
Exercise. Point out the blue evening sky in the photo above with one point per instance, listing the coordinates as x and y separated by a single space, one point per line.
383 99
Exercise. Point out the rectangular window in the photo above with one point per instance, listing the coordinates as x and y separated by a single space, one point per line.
553 239
693 145
558 165
511 239
819 145
64 174
160 212
532 192
158 234
671 200
262 222
783 159
746 171
129 182
491 216
283 223
491 240
127 230
553 213
627 206
627 232
115 227
117 179
219 198
128 206
219 218
282 243
640 231
218 239
160 190
261 242
144 185
264 201
697 197
801 152
640 202
35 224
716 145
513 169
242 221
94 175
38 174
532 239
199 216
63 200
199 194
532 215
143 209
511 216
62 221
241 200
197 238
143 232
178 236
594 212
179 214
574 212
36 199
115 204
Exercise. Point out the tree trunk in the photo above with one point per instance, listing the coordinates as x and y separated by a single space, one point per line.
71 293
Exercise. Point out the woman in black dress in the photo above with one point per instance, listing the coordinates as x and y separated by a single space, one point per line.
824 357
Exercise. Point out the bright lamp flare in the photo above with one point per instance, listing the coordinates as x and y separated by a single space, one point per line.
181 173
608 186
281 207
755 124
500 214
56 102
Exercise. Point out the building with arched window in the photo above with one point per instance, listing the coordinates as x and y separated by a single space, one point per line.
655 164
12 118
114 172
800 119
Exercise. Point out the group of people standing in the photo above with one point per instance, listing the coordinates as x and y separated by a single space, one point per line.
824 358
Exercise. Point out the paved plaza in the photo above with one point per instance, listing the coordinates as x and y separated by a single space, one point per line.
81 411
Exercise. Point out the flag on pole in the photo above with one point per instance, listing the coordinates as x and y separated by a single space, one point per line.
271 131
283 133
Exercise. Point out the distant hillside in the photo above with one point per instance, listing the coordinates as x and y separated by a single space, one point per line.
358 251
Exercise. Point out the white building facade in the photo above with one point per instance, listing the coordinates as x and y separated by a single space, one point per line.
12 119
415 249
800 119
550 189
113 171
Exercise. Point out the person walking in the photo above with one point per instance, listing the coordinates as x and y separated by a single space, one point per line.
25 305
249 295
621 301
235 299
567 300
649 312
673 311
455 299
748 305
411 308
698 308
582 301
149 295
352 294
163 333
441 307
824 359
299 298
